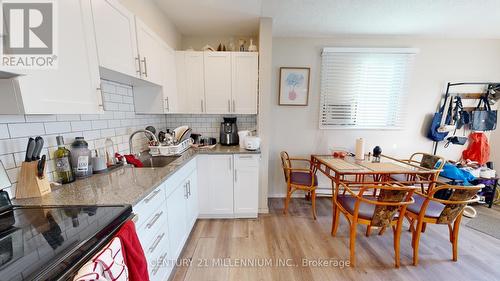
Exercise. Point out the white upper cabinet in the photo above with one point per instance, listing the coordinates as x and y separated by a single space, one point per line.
218 82
72 87
150 53
116 37
194 95
244 82
170 100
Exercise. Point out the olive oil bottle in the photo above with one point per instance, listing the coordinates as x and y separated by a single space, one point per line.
64 172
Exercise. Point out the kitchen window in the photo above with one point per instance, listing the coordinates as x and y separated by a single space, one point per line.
364 88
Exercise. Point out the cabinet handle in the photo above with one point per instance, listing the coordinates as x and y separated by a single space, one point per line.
235 175
138 60
201 105
153 221
160 263
230 164
189 188
99 98
245 156
152 196
234 106
186 191
228 106
145 67
155 244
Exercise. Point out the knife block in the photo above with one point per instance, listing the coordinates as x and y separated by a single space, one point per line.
29 184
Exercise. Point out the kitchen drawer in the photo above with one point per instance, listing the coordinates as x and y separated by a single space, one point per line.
157 255
153 225
246 160
146 208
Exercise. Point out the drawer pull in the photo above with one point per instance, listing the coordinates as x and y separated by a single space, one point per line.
153 221
159 263
245 156
155 244
152 196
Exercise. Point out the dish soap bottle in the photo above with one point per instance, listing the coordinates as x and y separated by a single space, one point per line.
80 158
62 156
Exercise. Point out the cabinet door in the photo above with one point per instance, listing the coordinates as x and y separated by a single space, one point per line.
150 53
170 104
176 207
244 82
194 82
74 86
192 200
217 82
215 185
116 37
246 185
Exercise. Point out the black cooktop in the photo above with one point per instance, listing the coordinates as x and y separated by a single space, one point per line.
50 243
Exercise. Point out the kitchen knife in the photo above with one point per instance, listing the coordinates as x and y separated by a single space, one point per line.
38 148
41 166
29 149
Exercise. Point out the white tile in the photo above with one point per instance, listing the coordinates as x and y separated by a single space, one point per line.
108 133
106 97
68 117
92 135
115 98
108 87
26 129
124 107
8 161
99 124
106 115
118 115
89 116
81 126
57 127
12 118
128 100
111 106
19 158
4 131
123 91
114 123
41 118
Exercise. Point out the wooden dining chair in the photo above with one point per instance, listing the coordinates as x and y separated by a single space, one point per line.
385 209
304 179
423 160
428 209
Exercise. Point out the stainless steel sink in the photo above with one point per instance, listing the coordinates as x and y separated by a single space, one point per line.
156 161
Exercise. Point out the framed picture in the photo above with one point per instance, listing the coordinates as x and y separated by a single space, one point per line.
294 86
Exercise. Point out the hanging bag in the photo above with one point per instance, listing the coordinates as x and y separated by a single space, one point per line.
433 133
483 118
478 149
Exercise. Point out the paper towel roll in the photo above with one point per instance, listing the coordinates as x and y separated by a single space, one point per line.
360 149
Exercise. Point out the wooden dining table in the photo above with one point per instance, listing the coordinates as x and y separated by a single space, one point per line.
386 169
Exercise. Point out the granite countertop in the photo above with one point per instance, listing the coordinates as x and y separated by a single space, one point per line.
126 185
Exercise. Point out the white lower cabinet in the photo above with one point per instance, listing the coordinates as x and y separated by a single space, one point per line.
228 185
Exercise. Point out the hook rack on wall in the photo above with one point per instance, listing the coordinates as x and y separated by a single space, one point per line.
495 86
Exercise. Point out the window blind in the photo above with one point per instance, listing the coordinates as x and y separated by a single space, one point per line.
364 88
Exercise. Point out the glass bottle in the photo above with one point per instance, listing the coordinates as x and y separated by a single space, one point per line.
110 152
62 156
80 158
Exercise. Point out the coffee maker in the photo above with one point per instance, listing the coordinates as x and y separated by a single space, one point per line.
229 131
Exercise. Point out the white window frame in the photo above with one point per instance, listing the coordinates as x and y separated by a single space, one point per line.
409 52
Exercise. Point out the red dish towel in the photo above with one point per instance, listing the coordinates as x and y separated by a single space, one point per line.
131 159
134 255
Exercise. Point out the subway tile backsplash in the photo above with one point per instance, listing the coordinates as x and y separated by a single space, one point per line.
116 122
209 125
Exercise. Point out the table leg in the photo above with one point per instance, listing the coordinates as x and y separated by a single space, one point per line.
335 216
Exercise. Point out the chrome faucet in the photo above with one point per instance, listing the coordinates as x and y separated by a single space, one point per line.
140 131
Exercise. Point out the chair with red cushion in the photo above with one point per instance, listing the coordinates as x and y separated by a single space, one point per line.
304 179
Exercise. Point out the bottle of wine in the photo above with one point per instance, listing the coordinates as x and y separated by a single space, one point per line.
64 172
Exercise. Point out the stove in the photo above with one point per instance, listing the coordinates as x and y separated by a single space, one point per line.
53 242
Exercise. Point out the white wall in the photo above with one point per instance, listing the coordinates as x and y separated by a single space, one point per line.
495 149
295 129
151 14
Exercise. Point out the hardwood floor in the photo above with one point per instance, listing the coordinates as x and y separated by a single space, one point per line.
217 246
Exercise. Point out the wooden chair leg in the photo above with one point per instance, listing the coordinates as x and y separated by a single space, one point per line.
382 230
456 228
368 230
352 243
416 241
287 201
397 238
336 221
450 230
313 200
424 227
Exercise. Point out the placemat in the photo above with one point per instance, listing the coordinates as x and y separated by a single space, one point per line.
385 167
341 164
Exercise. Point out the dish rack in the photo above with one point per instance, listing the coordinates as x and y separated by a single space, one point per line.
170 150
